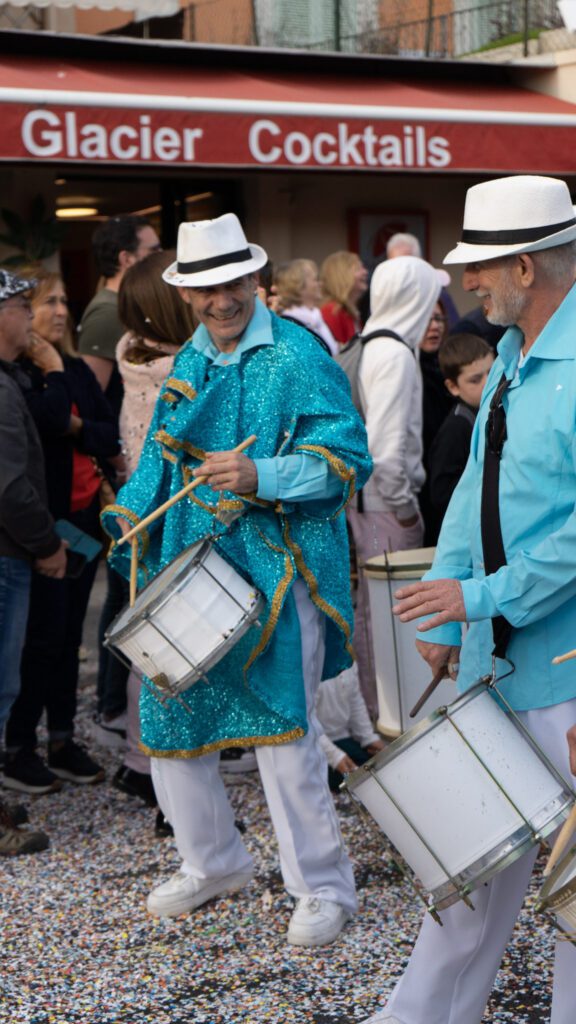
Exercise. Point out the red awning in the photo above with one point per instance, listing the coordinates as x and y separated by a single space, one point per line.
95 112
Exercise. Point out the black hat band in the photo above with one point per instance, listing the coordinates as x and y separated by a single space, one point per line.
508 237
197 266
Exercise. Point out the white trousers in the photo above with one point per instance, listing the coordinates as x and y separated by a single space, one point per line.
451 972
294 775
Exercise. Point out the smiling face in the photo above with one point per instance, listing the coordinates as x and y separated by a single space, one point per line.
224 309
503 301
51 313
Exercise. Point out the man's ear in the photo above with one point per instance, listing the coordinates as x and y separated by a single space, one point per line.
525 269
184 294
125 259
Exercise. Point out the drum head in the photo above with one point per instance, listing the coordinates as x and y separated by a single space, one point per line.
161 586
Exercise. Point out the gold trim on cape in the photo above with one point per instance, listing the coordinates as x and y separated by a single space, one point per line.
182 387
143 536
340 468
245 741
163 437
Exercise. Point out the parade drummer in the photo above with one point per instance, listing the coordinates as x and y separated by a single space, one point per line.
506 561
247 371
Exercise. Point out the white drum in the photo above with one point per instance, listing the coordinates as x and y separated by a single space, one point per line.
401 674
186 619
462 795
558 894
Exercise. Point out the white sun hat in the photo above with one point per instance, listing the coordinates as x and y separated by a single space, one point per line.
212 252
524 213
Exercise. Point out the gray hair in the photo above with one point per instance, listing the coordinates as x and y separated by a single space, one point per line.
403 244
557 263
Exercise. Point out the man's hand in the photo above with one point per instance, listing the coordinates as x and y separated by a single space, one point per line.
440 598
374 747
439 655
571 737
54 565
229 471
346 765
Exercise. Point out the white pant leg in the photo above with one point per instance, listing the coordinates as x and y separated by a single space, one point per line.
193 798
295 779
452 969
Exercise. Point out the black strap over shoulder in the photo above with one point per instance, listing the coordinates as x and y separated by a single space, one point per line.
381 333
490 526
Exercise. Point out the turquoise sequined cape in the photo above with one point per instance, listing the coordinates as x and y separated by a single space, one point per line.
295 399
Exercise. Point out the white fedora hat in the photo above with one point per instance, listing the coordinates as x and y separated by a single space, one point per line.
524 213
212 252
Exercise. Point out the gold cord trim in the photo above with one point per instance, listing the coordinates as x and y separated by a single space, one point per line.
312 582
143 537
170 457
170 399
245 741
182 387
276 605
163 437
343 471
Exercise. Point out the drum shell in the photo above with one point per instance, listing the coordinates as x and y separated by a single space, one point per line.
558 893
186 619
401 673
440 801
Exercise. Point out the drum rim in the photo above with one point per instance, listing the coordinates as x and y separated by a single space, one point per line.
547 896
158 601
354 779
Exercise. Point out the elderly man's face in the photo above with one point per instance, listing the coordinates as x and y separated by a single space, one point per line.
15 327
493 281
224 309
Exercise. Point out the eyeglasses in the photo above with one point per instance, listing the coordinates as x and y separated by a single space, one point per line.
439 319
496 432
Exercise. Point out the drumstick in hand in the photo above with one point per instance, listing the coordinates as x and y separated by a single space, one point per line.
176 497
561 842
440 675
133 570
564 657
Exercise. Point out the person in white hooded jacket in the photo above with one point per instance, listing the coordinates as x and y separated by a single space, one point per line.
387 517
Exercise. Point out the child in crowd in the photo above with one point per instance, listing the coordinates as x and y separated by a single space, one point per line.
348 739
465 362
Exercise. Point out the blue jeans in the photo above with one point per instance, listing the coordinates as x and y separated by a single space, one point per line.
15 577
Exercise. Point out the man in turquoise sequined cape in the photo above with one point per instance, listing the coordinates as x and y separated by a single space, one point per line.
281 526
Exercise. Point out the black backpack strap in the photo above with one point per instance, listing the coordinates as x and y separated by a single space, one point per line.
382 333
490 526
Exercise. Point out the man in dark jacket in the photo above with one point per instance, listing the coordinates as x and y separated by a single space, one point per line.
27 537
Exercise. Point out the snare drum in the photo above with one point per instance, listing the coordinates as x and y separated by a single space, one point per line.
462 795
558 894
186 619
401 674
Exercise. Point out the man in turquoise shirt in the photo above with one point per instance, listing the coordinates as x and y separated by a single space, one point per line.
276 514
518 246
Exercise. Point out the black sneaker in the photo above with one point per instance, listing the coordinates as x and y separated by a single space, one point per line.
72 762
162 826
134 783
26 772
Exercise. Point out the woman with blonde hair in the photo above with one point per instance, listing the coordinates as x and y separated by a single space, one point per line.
344 280
78 434
298 298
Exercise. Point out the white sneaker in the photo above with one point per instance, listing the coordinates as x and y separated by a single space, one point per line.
183 893
316 922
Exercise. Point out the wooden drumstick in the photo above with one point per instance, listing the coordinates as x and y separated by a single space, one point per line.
440 675
133 571
176 497
561 842
564 657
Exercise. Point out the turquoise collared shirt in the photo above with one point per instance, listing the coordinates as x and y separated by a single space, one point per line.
536 590
286 478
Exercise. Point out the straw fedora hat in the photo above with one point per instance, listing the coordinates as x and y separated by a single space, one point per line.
212 252
524 213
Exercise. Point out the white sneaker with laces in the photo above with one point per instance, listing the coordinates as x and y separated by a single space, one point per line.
316 922
183 893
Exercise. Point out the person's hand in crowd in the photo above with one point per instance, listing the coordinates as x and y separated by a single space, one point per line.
442 599
44 355
229 471
374 747
407 523
346 764
439 655
54 565
571 737
75 425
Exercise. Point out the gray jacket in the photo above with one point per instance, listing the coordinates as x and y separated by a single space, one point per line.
26 526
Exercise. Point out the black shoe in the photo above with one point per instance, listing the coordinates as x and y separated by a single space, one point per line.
26 772
18 814
162 826
134 783
70 761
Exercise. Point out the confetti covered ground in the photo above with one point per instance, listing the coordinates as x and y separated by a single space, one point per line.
77 946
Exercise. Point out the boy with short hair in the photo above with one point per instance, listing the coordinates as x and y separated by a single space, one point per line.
465 361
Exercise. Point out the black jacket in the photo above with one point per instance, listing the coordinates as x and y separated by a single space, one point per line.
50 400
26 526
449 455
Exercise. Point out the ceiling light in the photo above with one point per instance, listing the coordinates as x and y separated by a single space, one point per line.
76 212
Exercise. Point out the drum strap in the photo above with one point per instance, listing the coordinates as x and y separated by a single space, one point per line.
491 530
